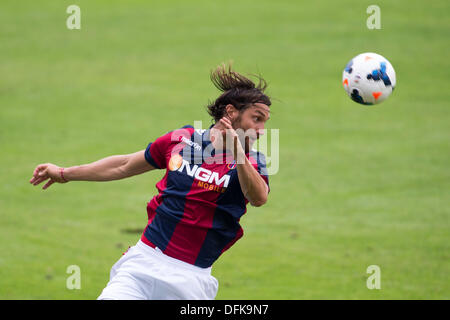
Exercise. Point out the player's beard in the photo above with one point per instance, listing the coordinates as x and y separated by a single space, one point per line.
246 141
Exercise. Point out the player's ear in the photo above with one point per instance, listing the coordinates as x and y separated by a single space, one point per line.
231 112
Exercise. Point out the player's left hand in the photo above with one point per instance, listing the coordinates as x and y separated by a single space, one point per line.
232 138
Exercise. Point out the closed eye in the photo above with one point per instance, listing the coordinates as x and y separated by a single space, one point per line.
259 116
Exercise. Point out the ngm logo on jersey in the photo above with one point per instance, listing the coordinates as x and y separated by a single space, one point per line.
207 179
261 145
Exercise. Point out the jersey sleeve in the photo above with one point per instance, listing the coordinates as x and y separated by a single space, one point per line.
154 153
159 151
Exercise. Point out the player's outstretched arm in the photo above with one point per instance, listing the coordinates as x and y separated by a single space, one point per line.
107 169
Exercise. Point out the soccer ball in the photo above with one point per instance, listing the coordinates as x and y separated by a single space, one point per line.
369 78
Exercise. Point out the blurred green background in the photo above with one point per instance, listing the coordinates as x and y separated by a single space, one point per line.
357 185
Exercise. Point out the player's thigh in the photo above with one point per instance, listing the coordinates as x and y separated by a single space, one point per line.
128 280
185 286
124 286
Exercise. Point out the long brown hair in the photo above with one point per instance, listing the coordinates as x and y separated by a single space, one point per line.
239 91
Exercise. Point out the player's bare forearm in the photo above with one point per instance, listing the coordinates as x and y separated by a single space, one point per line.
253 186
106 169
110 168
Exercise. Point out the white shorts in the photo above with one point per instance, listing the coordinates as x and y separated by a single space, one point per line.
145 273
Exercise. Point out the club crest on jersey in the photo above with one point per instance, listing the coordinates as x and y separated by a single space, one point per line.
207 179
232 165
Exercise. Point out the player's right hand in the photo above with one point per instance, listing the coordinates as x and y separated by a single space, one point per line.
47 171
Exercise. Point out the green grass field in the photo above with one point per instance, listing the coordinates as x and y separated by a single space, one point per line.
357 185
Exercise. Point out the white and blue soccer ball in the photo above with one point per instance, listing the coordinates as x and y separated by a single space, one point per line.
369 78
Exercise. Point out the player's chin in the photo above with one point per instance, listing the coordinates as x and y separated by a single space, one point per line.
251 138
250 143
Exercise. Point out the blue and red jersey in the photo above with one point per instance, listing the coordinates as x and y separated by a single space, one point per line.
195 215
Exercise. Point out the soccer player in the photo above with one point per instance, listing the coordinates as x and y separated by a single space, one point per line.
210 177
